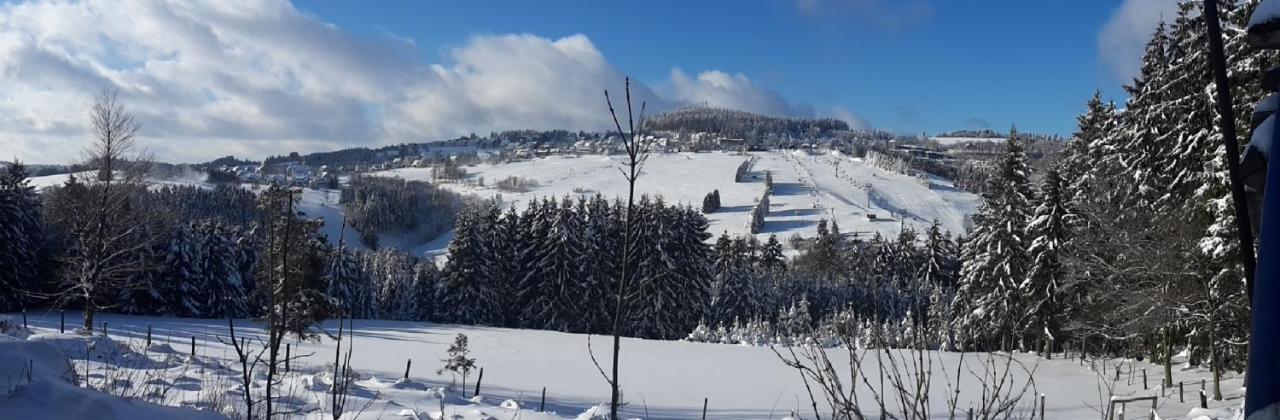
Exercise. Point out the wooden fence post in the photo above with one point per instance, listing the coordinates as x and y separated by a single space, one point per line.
704 408
62 322
542 406
104 328
479 379
1182 398
287 348
24 320
148 335
407 364
1144 378
1204 402
193 347
1041 406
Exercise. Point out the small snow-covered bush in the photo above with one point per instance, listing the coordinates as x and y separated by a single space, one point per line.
13 328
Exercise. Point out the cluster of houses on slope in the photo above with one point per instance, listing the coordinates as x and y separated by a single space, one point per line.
295 171
283 173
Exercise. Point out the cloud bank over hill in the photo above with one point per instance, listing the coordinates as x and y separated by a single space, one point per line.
258 77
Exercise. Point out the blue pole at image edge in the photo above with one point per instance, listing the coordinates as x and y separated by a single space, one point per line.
1262 396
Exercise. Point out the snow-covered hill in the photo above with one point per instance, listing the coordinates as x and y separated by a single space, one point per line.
807 187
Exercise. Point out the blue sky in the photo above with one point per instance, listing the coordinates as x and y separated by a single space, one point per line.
908 68
258 77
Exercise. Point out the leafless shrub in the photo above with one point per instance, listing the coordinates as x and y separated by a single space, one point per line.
900 380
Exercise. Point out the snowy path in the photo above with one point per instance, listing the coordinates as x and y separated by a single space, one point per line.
663 378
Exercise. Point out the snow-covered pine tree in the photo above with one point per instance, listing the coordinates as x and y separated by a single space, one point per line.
692 270
554 302
227 283
771 257
1049 232
940 265
1144 133
394 277
1089 143
651 305
469 297
348 284
602 240
996 259
21 238
177 288
504 244
732 292
425 291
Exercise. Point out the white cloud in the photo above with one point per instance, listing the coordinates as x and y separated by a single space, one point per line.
258 77
719 89
1124 36
514 81
855 121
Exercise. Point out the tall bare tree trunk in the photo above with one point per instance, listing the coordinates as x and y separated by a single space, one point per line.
634 155
88 317
1168 357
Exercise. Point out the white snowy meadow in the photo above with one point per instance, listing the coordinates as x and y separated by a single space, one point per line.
666 379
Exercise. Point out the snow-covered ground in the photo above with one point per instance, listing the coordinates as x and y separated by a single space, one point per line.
662 379
192 178
807 187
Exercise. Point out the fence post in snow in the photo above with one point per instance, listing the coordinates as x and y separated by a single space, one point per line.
193 347
479 379
542 406
1144 378
704 408
407 363
287 347
1041 406
24 320
1182 398
104 328
148 335
1204 402
62 322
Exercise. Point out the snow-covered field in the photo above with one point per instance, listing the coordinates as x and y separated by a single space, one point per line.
807 187
193 178
662 379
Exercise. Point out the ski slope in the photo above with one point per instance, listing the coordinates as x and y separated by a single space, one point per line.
807 187
661 379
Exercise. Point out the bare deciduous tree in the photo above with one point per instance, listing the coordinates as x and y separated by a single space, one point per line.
108 236
637 152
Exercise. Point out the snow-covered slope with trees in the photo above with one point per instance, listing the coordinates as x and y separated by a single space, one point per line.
807 187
